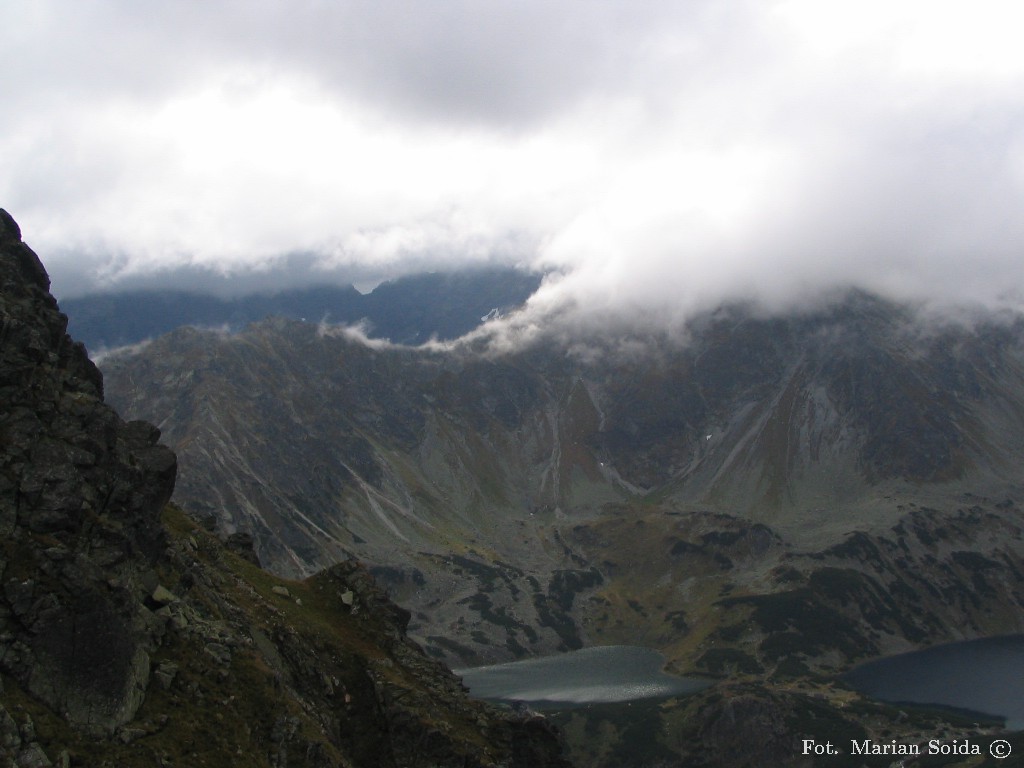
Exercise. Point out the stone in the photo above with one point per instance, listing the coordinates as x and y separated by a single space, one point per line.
220 653
10 734
163 596
32 756
165 673
243 544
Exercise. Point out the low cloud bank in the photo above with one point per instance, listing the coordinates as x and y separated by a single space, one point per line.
657 160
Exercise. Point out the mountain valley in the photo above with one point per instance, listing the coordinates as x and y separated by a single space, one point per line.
767 502
732 500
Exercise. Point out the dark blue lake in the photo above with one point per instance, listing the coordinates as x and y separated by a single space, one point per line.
978 675
605 674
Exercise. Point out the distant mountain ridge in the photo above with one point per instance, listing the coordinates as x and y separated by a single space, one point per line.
407 310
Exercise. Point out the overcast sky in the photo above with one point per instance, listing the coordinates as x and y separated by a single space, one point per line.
657 155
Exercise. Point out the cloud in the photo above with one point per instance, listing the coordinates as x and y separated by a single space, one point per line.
656 159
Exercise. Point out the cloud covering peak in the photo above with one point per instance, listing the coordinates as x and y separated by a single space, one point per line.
658 158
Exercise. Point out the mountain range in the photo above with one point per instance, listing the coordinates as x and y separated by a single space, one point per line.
408 310
768 499
764 498
514 501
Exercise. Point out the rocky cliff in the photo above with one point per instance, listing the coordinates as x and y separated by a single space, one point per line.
131 635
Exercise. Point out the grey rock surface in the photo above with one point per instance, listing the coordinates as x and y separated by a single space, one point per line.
80 496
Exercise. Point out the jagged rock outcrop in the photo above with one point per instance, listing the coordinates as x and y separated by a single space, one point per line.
130 635
80 497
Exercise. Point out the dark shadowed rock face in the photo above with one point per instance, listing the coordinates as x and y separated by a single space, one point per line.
130 635
80 497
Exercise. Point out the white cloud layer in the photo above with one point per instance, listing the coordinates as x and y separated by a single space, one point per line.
661 157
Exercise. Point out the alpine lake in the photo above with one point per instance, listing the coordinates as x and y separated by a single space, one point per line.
981 676
623 691
984 676
598 675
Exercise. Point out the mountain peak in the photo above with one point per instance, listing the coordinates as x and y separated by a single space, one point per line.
21 261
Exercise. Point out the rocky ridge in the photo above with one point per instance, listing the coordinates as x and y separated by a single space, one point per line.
132 635
81 491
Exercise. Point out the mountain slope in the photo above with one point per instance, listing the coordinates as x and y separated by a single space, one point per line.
531 502
130 635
